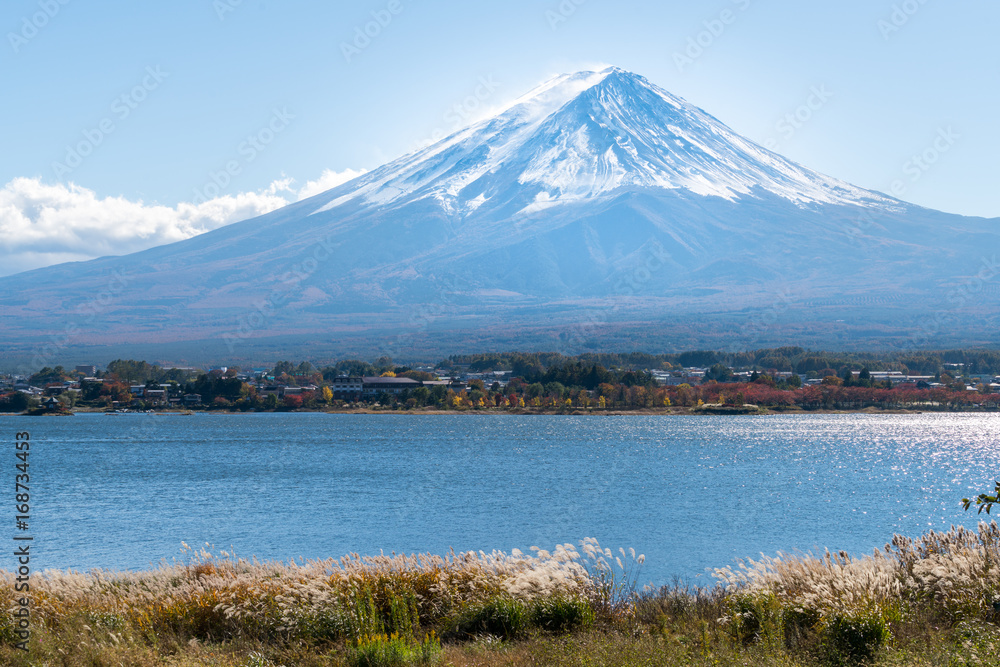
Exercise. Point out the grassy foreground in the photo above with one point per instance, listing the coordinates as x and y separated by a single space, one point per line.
930 601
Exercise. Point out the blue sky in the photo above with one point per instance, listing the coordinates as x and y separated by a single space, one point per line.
163 97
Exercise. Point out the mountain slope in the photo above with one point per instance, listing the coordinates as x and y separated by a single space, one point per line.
598 203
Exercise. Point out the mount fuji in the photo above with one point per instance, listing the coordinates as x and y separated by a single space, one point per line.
596 212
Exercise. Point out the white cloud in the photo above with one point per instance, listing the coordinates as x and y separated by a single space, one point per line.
327 181
43 224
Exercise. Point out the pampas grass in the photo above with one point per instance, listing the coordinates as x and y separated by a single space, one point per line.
850 608
210 597
929 600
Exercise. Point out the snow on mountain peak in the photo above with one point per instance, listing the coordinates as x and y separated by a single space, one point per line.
591 134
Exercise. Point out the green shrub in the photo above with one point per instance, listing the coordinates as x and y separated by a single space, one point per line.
502 617
372 612
853 639
327 625
562 615
8 631
394 651
800 628
402 617
752 617
365 617
106 620
976 644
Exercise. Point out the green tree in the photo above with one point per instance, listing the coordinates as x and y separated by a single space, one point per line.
91 390
556 390
984 501
776 362
422 395
719 373
16 402
132 372
283 367
416 375
439 394
49 375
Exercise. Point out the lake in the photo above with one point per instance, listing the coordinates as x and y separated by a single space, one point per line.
691 493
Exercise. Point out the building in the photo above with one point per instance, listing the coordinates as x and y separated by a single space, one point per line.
676 379
155 396
373 386
456 386
347 388
87 371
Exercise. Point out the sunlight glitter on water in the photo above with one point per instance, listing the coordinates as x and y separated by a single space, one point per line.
691 493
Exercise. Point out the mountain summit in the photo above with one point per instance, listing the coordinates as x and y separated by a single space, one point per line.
598 211
591 134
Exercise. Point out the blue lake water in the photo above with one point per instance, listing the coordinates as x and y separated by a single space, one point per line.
692 493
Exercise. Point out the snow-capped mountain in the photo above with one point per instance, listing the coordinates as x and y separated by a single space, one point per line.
596 211
590 134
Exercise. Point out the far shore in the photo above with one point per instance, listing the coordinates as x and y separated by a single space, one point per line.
704 411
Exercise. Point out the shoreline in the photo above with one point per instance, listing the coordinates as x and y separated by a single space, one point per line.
711 411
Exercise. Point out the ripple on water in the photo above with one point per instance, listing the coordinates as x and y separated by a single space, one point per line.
691 493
